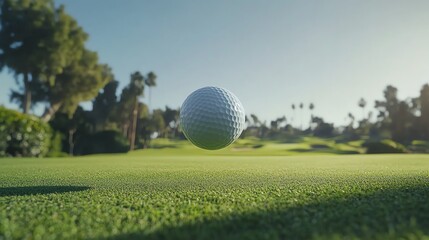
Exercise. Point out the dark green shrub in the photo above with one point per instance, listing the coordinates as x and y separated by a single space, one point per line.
23 135
419 146
384 146
102 142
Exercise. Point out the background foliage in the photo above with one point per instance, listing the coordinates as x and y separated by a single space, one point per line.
45 49
23 135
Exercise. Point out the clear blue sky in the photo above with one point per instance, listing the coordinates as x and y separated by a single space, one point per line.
269 53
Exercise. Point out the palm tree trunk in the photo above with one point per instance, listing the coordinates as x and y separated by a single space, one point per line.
133 126
27 94
293 118
150 98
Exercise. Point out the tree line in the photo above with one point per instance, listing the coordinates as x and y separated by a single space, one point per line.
122 119
401 120
45 49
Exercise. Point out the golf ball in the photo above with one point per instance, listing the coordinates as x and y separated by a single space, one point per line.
212 118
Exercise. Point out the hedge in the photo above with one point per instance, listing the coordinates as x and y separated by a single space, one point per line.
23 135
102 142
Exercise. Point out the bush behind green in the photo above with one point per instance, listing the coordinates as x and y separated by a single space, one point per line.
102 142
23 135
384 146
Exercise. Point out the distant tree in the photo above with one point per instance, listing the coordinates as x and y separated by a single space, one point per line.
390 103
150 81
387 108
37 41
79 118
158 120
171 119
274 125
403 122
281 120
263 130
104 105
123 112
364 127
142 123
396 115
255 119
277 123
301 107
352 119
152 124
311 107
129 105
73 129
80 81
322 129
362 104
293 110
424 111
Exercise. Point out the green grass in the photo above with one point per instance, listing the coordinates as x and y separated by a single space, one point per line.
161 194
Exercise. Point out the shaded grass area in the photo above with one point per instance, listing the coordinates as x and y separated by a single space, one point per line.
33 190
163 196
385 214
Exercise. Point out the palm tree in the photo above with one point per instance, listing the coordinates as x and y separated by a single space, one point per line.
301 106
150 81
281 120
136 87
362 104
293 109
352 119
311 107
255 120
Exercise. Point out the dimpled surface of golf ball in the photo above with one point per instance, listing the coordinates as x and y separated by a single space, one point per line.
212 118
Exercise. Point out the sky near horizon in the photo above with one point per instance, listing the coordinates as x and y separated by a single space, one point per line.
271 54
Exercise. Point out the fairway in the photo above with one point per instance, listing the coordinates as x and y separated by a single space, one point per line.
161 196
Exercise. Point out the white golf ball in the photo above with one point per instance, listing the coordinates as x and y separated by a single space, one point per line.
212 118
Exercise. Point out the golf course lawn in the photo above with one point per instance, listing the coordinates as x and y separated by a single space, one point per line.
160 195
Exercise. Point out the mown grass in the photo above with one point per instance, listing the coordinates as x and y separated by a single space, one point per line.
159 195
